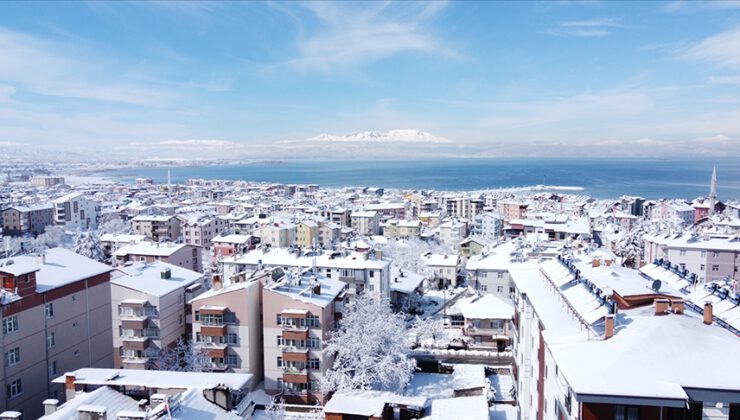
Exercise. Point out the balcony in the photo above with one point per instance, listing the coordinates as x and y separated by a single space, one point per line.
293 354
134 362
218 351
135 323
295 333
135 343
497 333
295 376
213 330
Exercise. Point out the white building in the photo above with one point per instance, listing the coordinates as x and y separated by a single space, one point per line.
76 212
488 226
365 222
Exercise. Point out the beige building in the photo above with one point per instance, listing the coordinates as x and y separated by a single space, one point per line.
149 310
402 229
158 228
21 220
46 181
298 314
56 317
201 230
181 255
307 233
227 322
329 232
277 234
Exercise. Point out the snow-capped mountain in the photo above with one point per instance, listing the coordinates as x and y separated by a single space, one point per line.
392 136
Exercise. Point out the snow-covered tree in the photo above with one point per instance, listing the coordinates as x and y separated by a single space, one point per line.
52 237
276 409
87 244
115 226
185 356
368 349
426 331
406 254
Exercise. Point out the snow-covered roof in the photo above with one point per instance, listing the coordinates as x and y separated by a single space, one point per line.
231 239
146 277
282 257
688 241
112 400
303 292
441 260
404 281
466 377
149 248
486 307
122 238
157 379
61 267
364 214
368 403
462 408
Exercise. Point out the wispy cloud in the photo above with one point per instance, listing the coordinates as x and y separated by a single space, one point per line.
351 34
49 68
585 28
721 50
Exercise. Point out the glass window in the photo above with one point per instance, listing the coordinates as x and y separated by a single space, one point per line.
14 388
49 310
10 324
13 357
51 340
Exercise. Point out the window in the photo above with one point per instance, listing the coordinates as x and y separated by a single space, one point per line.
702 267
232 338
622 412
372 273
279 319
51 339
483 288
77 353
715 267
312 321
704 253
499 289
10 324
14 388
500 275
13 357
279 361
53 369
683 253
715 254
231 360
313 364
49 310
314 342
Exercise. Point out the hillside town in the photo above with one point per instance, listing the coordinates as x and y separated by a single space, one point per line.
217 299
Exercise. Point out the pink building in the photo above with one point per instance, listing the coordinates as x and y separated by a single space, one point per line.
182 255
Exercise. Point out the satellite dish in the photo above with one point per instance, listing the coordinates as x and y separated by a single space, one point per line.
656 285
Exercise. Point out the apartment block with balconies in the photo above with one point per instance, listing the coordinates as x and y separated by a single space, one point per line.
299 312
227 322
55 315
149 310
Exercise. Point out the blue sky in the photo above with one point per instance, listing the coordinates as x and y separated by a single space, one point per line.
496 79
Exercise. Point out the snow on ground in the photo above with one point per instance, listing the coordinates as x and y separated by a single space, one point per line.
502 412
502 385
434 300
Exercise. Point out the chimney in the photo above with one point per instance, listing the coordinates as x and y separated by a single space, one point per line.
41 258
609 326
595 262
378 255
678 306
661 306
217 282
317 288
10 415
609 263
69 386
50 406
708 313
92 412
143 404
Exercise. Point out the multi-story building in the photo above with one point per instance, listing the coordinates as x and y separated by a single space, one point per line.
111 242
200 230
307 233
228 245
329 233
365 222
396 210
298 315
712 257
513 209
596 341
452 232
488 226
362 271
56 317
280 234
181 255
32 220
46 181
158 228
402 229
76 212
681 212
227 322
149 310
445 267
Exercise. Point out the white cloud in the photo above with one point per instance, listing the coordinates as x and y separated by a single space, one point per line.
55 69
351 36
722 50
585 28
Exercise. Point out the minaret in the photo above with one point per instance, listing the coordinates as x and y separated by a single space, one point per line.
713 191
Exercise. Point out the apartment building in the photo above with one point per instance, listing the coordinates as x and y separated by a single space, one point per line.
31 220
445 266
279 234
489 226
712 257
487 320
228 245
307 233
46 181
394 210
362 271
596 341
76 212
181 255
673 211
158 228
149 310
200 230
227 322
513 209
298 313
365 223
402 229
56 317
111 242
451 232
329 233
